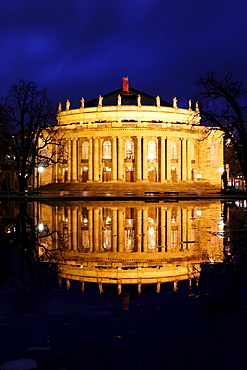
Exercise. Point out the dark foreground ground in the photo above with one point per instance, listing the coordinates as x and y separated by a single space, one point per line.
85 330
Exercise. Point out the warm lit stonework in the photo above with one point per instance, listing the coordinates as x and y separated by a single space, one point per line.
130 136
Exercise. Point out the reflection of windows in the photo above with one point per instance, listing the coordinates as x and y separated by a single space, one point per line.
129 149
107 238
152 150
85 150
106 150
174 154
129 239
85 238
174 237
152 237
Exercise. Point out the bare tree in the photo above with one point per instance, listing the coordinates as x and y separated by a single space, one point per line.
223 104
27 127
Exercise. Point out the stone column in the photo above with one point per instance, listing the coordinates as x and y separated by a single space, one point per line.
184 160
96 159
162 160
74 161
114 229
90 160
139 159
69 159
114 159
145 159
120 159
189 164
168 160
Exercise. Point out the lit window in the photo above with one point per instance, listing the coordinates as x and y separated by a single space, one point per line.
174 154
152 150
85 150
129 149
106 150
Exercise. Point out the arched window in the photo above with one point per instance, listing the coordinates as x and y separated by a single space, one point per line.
174 154
85 150
129 149
152 150
106 150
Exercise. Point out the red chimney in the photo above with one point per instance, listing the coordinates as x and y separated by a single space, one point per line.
125 81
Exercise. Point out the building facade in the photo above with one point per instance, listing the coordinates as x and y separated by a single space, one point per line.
120 243
130 136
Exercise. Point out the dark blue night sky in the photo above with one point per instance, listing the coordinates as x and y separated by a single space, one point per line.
84 47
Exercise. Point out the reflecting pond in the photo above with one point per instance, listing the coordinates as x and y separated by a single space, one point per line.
142 285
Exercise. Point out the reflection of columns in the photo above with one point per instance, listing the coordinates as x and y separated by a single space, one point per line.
74 228
168 160
114 229
145 230
114 159
90 160
90 229
96 159
184 216
120 159
121 234
139 230
96 229
184 160
168 230
139 159
162 160
74 160
145 159
163 229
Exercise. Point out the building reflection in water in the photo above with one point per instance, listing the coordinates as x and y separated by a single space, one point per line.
115 245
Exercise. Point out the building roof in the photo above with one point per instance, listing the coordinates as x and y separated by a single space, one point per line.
127 98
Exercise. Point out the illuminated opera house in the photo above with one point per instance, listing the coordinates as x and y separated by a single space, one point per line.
130 136
118 244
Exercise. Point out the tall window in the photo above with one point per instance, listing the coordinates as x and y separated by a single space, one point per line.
85 150
106 150
152 152
174 153
129 149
